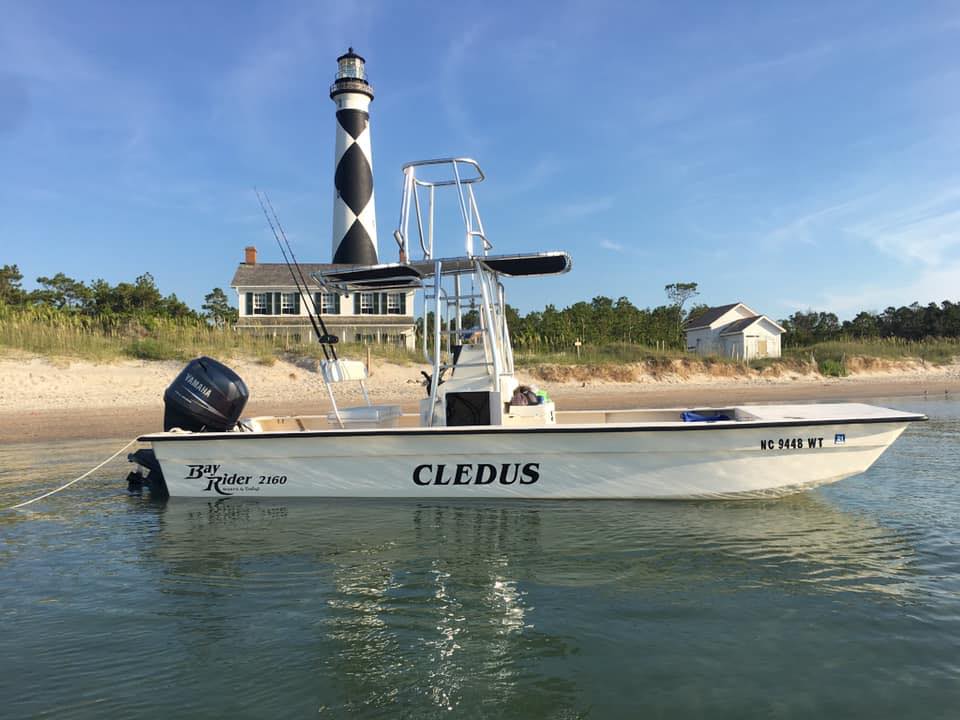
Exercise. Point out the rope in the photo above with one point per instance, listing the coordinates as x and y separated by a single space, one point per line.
64 487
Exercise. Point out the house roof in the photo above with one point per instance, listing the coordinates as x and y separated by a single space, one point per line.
738 326
709 316
273 274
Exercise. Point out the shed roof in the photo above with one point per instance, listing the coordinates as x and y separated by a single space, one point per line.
738 326
706 317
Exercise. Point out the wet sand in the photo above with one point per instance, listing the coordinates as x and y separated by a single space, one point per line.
125 422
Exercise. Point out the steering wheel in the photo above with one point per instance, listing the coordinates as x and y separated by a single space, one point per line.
428 379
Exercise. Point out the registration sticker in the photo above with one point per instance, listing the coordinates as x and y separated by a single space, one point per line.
839 439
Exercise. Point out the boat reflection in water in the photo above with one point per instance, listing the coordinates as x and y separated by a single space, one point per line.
453 604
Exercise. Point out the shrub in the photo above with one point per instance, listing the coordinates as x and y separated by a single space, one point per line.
150 349
831 367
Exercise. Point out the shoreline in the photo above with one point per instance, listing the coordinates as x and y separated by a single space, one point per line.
115 420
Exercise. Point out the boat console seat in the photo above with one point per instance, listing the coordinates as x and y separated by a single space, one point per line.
363 416
367 416
335 371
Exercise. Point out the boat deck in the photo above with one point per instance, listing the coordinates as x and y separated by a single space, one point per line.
816 412
727 416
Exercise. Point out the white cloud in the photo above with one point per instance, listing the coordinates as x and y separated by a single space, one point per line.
806 228
585 208
31 46
534 177
300 41
931 285
679 105
610 245
41 57
925 231
921 225
459 51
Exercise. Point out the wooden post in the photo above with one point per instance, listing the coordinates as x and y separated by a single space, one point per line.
369 366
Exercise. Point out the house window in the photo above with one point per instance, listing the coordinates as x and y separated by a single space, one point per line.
329 303
379 304
290 303
261 303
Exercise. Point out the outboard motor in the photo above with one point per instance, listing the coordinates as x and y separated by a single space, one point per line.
207 396
147 472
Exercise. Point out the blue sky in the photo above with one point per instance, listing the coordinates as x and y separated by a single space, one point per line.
788 155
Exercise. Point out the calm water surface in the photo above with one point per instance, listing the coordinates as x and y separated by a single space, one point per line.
844 602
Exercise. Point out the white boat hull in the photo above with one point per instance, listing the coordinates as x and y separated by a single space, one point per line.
735 461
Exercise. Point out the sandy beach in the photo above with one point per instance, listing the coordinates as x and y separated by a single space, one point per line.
43 399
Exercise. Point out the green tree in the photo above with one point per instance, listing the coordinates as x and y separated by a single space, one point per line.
173 307
805 328
626 325
678 294
864 325
951 318
11 293
217 308
145 295
61 292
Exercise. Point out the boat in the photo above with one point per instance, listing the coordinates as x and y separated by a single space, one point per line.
479 432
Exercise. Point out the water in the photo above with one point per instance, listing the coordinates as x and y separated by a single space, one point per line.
841 602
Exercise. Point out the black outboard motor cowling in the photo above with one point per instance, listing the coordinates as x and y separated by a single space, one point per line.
206 397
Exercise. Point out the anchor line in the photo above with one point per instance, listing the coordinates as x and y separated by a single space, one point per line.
72 482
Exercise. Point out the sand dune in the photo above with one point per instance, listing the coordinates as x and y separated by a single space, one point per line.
43 399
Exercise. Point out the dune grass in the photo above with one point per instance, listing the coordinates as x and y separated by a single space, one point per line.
58 334
832 357
357 351
61 335
608 354
153 339
933 350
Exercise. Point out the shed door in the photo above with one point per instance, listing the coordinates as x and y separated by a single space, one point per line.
762 348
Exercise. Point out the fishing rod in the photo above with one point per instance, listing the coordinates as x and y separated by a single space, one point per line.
327 338
324 338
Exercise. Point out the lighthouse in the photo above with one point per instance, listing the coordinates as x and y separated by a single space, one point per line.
354 213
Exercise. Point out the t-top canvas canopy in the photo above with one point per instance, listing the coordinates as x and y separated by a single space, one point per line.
411 275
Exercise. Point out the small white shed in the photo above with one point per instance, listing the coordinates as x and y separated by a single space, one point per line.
733 331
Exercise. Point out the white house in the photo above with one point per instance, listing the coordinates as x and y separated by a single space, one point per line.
733 331
270 304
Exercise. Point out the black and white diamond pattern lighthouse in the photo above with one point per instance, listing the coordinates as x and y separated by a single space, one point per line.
354 214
